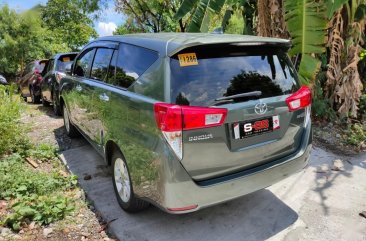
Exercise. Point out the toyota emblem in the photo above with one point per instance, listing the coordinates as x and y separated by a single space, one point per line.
260 108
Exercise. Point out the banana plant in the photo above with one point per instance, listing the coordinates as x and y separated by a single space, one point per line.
203 11
306 22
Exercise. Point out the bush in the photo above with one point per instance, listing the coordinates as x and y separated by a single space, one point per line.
356 134
37 195
12 137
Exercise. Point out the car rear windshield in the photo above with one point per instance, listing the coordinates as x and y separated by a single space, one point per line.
200 75
65 62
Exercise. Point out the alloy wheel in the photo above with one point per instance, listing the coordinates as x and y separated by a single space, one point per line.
122 180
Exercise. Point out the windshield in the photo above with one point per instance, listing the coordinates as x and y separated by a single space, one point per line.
217 73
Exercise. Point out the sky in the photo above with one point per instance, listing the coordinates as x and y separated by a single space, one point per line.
105 25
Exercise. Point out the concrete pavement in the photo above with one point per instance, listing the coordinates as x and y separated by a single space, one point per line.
316 204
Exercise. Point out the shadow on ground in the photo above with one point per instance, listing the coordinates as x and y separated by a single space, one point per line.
257 216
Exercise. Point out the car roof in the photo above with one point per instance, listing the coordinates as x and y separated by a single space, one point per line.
171 43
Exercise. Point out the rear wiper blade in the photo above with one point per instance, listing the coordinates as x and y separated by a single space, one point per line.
248 94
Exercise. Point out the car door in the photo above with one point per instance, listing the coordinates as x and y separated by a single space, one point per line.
100 93
47 82
79 99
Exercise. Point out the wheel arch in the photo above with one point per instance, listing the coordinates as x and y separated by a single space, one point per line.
110 148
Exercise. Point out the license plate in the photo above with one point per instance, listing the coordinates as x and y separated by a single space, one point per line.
255 127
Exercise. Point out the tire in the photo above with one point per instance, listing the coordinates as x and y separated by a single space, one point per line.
45 103
35 99
122 186
71 130
56 108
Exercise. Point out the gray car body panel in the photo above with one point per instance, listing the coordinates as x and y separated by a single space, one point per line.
211 171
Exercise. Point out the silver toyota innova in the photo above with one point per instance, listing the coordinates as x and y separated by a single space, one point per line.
187 121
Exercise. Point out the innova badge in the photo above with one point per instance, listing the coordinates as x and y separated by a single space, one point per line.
260 108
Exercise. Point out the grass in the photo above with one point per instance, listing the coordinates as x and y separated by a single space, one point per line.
33 194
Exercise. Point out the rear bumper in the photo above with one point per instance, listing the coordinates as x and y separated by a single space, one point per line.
180 191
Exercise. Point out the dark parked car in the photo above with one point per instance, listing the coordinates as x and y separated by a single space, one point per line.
30 80
189 120
3 80
52 74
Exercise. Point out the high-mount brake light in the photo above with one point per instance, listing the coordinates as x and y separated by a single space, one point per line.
173 119
300 99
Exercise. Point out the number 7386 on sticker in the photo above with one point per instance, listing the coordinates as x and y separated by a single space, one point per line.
187 59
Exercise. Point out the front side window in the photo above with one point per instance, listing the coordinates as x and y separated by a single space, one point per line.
83 63
132 61
101 63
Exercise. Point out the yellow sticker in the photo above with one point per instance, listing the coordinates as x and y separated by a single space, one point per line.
66 59
187 59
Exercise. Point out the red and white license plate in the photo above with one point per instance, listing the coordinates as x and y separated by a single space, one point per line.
255 127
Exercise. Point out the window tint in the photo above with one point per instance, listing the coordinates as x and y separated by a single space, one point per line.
83 63
65 62
132 61
111 77
226 72
101 63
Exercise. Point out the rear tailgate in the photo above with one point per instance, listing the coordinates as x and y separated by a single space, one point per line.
257 129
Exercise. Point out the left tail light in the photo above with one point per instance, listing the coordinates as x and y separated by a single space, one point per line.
173 119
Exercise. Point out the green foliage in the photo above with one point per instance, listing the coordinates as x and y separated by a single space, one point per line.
43 152
42 209
235 24
356 134
11 133
69 22
306 22
202 14
333 6
18 180
363 107
321 106
23 39
151 16
36 192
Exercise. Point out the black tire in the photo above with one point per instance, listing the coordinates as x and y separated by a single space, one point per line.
130 204
56 108
71 130
35 99
45 103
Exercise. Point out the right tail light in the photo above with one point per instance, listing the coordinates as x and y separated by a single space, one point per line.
300 99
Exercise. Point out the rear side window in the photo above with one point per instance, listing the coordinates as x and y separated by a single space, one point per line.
101 62
131 62
201 75
65 62
83 63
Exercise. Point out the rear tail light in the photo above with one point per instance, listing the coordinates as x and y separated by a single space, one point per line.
182 209
300 99
173 119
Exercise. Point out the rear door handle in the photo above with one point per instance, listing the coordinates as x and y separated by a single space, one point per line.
78 88
104 97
